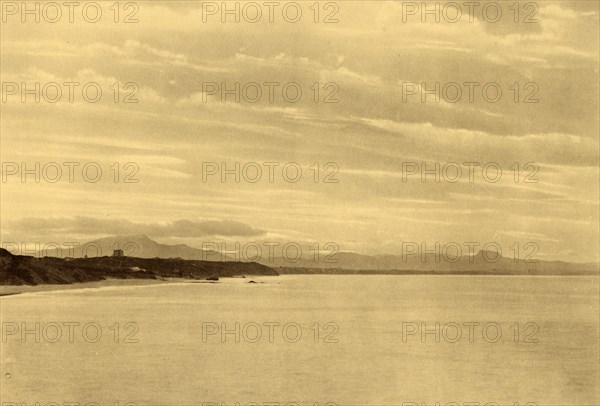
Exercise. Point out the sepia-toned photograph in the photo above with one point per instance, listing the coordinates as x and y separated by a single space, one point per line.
300 203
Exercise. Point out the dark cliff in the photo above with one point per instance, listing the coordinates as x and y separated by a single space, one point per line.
26 270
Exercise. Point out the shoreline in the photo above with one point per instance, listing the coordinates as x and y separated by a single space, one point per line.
11 290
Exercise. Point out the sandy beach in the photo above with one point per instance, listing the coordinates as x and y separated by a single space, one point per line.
6 290
9 290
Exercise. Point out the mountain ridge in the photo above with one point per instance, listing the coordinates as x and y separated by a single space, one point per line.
142 246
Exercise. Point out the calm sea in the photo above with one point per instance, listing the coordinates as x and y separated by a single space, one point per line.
350 340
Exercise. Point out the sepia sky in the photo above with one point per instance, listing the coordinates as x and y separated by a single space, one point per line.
368 141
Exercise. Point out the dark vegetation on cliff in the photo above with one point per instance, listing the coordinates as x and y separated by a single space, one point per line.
27 270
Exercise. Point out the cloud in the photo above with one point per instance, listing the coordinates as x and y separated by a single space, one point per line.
368 134
74 226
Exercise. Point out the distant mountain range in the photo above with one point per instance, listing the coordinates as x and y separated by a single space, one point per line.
139 246
342 262
484 262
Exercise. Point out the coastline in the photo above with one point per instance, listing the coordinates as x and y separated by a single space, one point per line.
10 290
